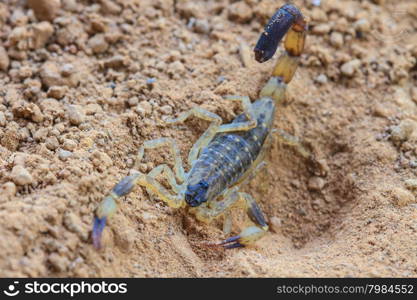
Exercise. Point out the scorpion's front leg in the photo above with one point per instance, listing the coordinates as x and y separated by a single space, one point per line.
109 205
250 234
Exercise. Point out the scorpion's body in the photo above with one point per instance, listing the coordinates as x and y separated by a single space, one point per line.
225 154
228 157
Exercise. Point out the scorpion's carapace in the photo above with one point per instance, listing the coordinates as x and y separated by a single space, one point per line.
288 16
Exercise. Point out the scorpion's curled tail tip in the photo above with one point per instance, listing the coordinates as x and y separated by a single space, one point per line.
98 227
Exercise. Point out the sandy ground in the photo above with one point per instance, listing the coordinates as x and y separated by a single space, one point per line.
84 83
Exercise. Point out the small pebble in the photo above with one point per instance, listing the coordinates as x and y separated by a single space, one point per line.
411 184
275 224
240 12
166 110
64 154
336 39
2 119
115 62
144 108
362 25
201 26
150 81
133 101
403 131
322 79
349 68
57 92
316 183
52 143
321 29
42 32
75 115
58 262
8 189
98 43
67 70
245 54
45 10
380 110
21 176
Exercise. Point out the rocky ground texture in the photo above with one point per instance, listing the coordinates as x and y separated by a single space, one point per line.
83 83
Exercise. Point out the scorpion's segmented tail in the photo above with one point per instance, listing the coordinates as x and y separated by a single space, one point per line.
290 21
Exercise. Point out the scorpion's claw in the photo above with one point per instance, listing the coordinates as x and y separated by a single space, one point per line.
104 211
248 236
231 242
98 226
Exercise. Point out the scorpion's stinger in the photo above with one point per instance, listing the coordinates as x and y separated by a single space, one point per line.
286 20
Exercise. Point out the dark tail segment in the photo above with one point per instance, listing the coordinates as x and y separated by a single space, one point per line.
286 17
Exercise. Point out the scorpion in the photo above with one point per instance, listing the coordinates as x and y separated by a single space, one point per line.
226 155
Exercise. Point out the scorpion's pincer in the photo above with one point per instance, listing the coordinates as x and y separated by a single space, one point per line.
248 236
104 211
109 206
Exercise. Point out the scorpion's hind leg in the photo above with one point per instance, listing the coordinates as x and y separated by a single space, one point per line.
250 234
109 205
295 142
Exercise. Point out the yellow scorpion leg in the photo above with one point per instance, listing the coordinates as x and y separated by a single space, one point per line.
172 145
207 136
109 205
241 126
210 211
250 234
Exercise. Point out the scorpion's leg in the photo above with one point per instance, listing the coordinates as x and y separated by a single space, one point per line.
227 223
169 175
207 136
250 234
241 126
109 205
210 211
172 145
295 142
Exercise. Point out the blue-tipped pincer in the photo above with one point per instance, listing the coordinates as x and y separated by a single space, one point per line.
98 227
